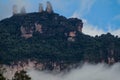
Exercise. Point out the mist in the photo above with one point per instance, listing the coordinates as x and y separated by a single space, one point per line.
85 72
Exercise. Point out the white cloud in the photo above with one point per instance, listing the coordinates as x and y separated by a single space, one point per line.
93 30
117 17
116 32
85 6
86 72
75 15
90 29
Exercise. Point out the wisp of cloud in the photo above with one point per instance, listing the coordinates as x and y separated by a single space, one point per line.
86 72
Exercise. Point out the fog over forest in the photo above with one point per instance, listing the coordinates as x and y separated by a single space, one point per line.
86 72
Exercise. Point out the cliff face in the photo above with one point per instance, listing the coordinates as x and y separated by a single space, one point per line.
49 37
44 23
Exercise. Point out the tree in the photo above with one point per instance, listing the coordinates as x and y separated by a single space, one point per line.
2 77
21 76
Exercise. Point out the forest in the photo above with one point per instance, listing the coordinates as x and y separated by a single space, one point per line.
53 38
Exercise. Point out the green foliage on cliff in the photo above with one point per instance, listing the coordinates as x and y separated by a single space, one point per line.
53 44
22 75
1 77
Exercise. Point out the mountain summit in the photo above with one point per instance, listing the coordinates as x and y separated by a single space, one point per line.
49 37
44 22
27 34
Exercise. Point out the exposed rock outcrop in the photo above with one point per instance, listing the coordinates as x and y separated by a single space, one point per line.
49 25
38 28
49 7
23 11
15 10
40 8
26 32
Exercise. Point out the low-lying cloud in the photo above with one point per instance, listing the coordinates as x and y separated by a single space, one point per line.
86 72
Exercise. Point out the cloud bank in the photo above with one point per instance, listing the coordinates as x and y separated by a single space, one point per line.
86 72
93 30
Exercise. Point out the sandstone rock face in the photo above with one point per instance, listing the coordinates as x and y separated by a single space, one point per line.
111 55
38 28
55 26
23 11
26 32
80 26
41 7
15 9
72 39
49 7
72 34
111 60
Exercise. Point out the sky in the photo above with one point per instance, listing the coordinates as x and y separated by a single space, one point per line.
99 16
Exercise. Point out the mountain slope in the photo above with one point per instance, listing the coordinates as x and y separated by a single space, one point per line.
50 37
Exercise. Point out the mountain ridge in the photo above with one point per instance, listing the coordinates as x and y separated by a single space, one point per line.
44 36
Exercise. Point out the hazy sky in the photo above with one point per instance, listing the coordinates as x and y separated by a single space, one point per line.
99 16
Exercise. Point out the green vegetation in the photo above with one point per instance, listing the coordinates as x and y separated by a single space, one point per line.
1 77
22 75
53 44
